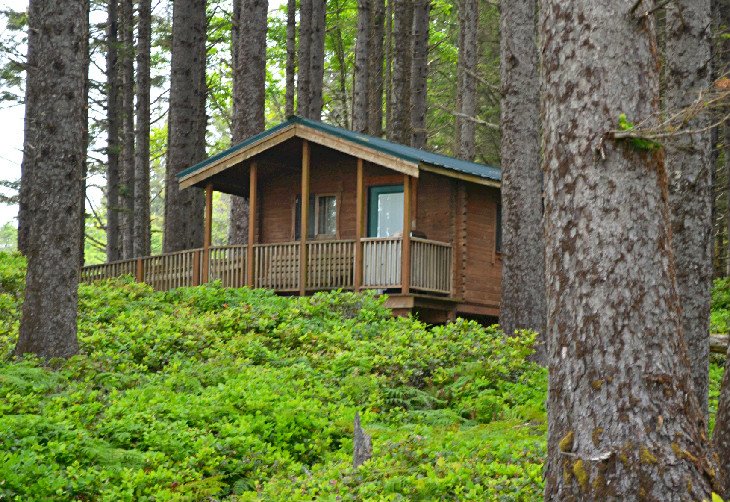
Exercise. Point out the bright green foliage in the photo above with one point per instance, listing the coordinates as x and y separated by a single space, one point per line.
636 142
241 394
720 313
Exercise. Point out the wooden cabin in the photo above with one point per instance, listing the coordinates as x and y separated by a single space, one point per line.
421 227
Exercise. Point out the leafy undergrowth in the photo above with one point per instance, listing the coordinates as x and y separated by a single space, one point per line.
243 395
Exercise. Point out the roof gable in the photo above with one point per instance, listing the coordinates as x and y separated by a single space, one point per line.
399 157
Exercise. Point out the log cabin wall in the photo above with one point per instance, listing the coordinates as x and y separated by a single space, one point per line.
482 264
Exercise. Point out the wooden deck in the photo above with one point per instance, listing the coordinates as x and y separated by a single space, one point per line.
330 264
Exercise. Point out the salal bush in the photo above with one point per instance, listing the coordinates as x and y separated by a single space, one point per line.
240 394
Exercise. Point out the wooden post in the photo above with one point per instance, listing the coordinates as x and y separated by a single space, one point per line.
139 273
359 225
196 267
304 213
250 256
208 233
406 243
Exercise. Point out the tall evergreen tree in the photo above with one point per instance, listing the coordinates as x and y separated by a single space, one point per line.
54 153
291 54
126 61
113 233
360 103
249 86
466 73
523 266
399 129
419 73
690 167
623 421
141 217
186 125
375 67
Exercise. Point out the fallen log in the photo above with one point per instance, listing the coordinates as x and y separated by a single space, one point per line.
718 343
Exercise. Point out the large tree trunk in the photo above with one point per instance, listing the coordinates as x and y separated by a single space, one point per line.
690 167
142 153
419 72
623 420
388 84
249 85
360 103
467 69
291 54
523 251
186 125
399 128
305 48
375 68
53 160
127 114
721 434
113 233
316 61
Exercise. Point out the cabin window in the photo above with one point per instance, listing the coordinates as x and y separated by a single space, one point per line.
385 214
498 233
322 217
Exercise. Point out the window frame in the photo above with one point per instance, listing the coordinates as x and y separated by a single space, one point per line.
315 235
374 191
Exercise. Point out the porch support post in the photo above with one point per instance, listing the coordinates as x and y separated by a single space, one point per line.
304 213
406 243
250 256
359 225
208 232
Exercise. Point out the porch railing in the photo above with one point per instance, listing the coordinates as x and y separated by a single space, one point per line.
330 265
431 266
381 262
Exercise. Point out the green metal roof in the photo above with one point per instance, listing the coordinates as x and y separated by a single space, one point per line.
396 150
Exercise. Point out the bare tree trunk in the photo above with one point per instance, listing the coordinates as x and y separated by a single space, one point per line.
375 68
316 61
304 76
186 125
360 103
291 54
623 420
523 264
721 434
249 81
690 168
388 84
85 145
399 129
419 73
142 154
467 69
113 233
127 113
53 160
341 113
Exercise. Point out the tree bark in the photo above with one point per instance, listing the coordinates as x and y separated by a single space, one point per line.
523 264
690 169
419 73
721 434
360 103
113 233
399 128
141 239
375 68
305 44
388 84
316 62
127 114
291 54
623 420
186 125
467 69
249 86
53 160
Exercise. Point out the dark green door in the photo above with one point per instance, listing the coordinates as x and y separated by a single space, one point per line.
385 211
